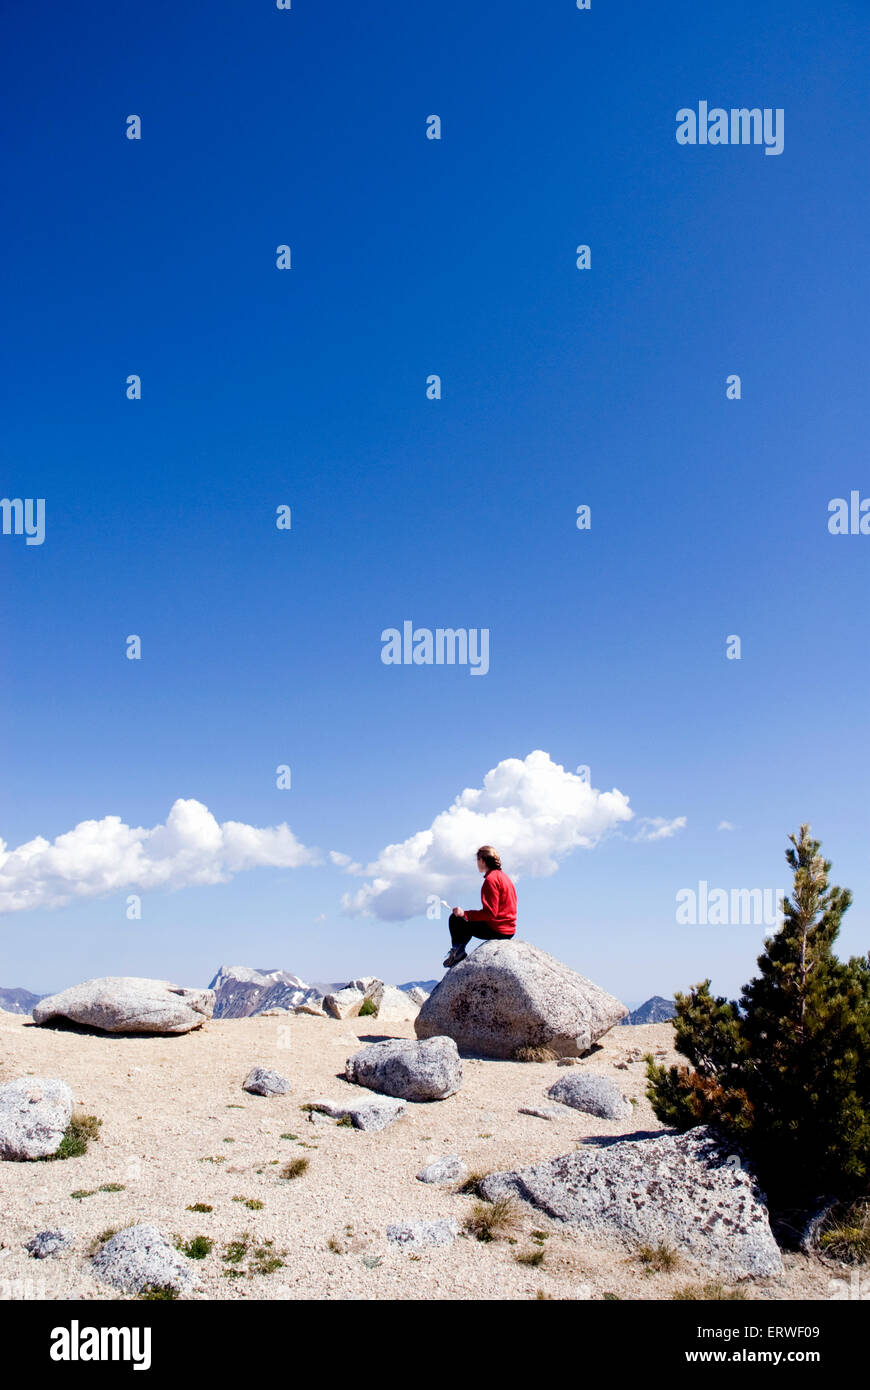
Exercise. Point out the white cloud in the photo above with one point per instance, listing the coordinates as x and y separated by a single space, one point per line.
657 828
106 856
531 809
724 825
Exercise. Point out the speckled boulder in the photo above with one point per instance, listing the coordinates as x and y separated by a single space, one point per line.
416 1235
419 1071
140 1256
128 1004
677 1189
595 1095
509 994
443 1170
371 1114
34 1114
264 1081
46 1243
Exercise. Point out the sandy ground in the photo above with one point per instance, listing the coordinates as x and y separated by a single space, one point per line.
177 1129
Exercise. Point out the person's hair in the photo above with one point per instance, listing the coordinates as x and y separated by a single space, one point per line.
489 857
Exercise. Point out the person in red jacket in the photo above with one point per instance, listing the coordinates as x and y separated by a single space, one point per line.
496 920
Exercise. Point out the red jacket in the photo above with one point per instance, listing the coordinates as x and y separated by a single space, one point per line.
499 898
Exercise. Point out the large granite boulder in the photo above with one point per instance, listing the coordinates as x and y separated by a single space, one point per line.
682 1190
429 1070
142 1256
508 995
127 1004
34 1114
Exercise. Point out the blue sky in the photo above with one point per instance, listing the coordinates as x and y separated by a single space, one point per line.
307 387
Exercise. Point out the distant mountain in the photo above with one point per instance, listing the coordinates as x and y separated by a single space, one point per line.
655 1010
19 1001
241 991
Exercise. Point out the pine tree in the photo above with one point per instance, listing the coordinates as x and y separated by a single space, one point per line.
784 1073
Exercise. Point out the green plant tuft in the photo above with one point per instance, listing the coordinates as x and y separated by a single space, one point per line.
295 1168
79 1133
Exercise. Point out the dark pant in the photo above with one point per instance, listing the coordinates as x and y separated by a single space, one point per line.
461 931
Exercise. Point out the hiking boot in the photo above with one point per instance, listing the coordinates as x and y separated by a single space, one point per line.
454 956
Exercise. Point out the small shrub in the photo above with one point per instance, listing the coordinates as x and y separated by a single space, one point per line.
369 1007
333 1245
541 1295
154 1292
113 1187
220 1159
236 1250
197 1248
345 1122
535 1054
846 1233
657 1257
233 1273
295 1168
612 1297
81 1192
289 1136
265 1260
252 1203
470 1186
79 1133
713 1289
540 1236
200 1206
492 1220
529 1257
99 1241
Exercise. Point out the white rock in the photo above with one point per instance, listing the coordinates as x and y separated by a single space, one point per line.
444 1170
345 1003
129 1004
34 1114
140 1256
371 1114
393 1005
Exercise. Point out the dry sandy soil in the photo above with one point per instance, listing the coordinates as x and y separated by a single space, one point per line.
177 1129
